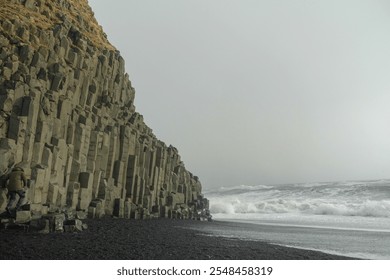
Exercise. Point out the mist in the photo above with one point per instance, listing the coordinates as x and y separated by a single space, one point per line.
261 92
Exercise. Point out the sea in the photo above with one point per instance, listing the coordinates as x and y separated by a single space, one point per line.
350 218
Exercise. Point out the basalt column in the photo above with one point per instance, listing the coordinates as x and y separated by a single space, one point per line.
67 117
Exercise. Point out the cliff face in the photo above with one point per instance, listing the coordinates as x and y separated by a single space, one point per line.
67 117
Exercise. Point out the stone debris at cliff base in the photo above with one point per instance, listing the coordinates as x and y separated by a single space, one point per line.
67 220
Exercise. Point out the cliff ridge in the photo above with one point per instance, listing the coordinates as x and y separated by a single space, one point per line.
67 117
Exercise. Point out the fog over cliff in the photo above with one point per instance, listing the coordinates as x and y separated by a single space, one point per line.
254 92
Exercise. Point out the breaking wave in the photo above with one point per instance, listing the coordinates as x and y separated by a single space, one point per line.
365 209
366 199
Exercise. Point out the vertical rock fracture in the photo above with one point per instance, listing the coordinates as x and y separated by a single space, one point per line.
67 117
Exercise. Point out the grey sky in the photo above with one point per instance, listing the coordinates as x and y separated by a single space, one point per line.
261 92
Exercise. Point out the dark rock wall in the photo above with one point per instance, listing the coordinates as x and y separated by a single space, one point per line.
67 116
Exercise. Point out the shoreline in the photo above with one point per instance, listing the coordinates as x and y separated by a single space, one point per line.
160 239
348 242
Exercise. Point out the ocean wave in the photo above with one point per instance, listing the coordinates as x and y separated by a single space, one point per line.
315 207
357 198
238 190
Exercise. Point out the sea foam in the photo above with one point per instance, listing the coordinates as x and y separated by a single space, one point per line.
366 199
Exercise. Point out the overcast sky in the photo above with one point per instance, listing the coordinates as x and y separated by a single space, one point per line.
261 92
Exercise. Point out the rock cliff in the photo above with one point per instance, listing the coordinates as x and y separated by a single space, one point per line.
67 117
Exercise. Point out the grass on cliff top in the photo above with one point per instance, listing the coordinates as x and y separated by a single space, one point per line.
50 13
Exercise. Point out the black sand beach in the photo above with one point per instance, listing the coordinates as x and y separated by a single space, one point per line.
120 239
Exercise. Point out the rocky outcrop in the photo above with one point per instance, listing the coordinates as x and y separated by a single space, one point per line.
67 116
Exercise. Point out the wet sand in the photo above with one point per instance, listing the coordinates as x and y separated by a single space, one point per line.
161 239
